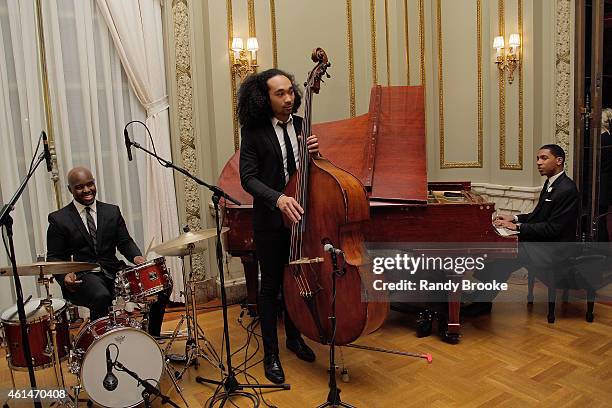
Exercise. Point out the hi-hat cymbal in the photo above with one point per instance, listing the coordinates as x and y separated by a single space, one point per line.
47 268
189 241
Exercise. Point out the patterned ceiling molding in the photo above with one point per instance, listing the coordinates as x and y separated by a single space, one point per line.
351 58
184 85
407 42
563 73
373 41
471 164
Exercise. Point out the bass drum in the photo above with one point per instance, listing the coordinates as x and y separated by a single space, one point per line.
135 349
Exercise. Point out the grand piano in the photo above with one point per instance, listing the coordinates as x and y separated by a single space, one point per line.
385 149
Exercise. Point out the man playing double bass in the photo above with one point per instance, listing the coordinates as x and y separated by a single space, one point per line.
269 155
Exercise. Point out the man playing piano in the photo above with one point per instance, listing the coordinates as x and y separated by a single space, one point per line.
553 220
269 155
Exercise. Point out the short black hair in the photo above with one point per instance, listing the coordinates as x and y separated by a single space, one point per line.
555 150
254 107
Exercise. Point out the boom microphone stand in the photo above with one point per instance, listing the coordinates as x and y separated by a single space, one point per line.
231 386
6 221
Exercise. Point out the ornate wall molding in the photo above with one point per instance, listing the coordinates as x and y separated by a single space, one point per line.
184 85
351 57
373 41
407 42
509 199
230 33
422 40
387 45
468 164
562 73
273 29
503 162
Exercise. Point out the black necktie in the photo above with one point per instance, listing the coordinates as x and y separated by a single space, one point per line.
543 190
291 167
91 225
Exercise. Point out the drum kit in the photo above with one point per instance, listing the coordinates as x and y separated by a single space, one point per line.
135 352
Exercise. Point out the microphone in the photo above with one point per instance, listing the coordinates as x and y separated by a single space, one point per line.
128 144
330 248
110 380
46 151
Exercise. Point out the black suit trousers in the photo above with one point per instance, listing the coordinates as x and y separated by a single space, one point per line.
273 253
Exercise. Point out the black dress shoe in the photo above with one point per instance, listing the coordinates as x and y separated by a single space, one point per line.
476 309
273 369
301 349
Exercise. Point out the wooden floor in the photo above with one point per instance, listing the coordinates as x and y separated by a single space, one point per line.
512 358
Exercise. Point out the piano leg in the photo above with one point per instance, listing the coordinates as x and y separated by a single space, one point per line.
449 326
251 276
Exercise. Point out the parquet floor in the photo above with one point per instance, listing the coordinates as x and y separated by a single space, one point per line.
512 358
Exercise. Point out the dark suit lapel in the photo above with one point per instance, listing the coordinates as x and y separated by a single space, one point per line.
101 221
271 135
78 222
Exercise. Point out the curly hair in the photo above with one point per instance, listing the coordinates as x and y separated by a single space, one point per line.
254 108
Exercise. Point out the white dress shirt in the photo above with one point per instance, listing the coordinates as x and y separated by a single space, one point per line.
83 213
281 141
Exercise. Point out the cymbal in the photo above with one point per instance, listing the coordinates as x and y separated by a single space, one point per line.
180 246
47 268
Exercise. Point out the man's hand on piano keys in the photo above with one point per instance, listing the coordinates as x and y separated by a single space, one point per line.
505 224
290 208
502 217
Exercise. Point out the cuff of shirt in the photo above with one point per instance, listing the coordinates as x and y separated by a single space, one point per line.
279 197
515 218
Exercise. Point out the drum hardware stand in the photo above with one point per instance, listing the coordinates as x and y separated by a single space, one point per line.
231 386
193 350
6 221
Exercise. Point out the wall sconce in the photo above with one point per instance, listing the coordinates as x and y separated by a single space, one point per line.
507 58
244 60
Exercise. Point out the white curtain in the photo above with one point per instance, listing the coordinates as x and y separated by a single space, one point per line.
91 101
136 29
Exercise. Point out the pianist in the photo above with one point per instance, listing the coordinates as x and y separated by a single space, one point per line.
552 220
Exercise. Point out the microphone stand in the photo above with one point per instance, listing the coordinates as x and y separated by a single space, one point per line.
148 388
6 221
333 397
231 386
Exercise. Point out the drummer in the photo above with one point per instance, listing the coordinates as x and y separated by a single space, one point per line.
87 230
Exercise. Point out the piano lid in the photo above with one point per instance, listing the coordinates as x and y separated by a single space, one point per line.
384 148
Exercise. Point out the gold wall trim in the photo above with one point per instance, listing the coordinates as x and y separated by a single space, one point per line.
422 40
373 41
42 51
407 41
251 18
503 162
351 59
273 29
230 33
468 164
387 46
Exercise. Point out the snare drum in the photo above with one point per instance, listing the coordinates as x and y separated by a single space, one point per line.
39 334
144 280
138 352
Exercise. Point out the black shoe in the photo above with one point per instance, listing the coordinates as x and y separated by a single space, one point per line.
476 309
273 369
301 349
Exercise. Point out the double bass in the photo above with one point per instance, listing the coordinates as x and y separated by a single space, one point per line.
335 207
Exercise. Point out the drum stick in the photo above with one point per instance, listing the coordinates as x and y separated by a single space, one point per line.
149 248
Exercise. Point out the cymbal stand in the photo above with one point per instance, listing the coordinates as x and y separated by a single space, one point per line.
195 334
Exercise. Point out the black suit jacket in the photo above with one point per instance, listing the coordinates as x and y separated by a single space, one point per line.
67 236
555 216
262 173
